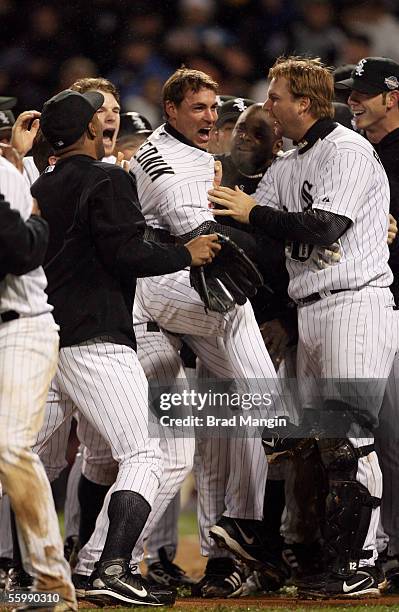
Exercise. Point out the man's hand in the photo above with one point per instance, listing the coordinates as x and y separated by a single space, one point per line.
325 257
392 229
12 155
203 249
237 203
24 131
35 208
123 163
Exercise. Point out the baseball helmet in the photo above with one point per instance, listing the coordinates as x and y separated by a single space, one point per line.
133 123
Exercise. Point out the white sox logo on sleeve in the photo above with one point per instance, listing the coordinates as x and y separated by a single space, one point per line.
152 162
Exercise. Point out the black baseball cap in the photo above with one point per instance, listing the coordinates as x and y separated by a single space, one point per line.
66 116
133 123
232 109
7 119
7 102
372 75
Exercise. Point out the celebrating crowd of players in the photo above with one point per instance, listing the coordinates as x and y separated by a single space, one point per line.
120 214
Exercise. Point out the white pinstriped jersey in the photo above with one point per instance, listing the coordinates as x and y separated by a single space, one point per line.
172 182
24 294
340 173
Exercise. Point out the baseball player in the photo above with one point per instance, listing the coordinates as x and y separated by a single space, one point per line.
98 369
134 129
373 90
173 171
332 187
228 113
29 343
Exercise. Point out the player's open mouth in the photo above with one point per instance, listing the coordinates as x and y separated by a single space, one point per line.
358 113
108 135
204 133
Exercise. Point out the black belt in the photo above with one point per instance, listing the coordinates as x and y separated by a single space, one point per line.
159 235
315 297
9 315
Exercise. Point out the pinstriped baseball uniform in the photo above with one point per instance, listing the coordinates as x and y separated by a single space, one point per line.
28 359
350 334
172 181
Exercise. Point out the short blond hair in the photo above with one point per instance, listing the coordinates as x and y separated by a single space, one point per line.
96 84
308 77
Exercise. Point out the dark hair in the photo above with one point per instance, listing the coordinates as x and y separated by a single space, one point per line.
41 151
183 80
96 84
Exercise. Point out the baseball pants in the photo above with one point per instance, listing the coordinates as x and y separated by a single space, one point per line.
28 360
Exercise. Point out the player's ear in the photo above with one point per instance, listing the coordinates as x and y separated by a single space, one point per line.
392 99
304 104
92 130
170 109
277 146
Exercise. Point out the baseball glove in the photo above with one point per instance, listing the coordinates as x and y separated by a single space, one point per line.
229 280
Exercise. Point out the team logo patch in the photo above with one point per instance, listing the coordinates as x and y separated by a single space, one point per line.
306 195
360 67
240 104
4 120
391 82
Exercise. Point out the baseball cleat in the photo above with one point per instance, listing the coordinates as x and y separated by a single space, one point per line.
113 582
5 565
391 569
364 583
222 579
282 443
80 582
18 580
242 538
167 573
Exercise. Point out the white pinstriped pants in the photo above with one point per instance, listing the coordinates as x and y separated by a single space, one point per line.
107 385
350 335
28 359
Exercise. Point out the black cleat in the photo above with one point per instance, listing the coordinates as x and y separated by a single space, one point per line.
222 579
80 582
113 583
242 538
18 580
167 573
283 443
5 565
362 584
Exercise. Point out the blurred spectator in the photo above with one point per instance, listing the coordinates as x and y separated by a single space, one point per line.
75 68
197 31
315 33
138 63
355 47
372 18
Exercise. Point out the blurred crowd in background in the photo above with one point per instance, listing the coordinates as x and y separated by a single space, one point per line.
137 44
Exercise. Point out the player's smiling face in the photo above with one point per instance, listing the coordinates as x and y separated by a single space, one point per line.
369 110
109 116
195 116
253 140
285 109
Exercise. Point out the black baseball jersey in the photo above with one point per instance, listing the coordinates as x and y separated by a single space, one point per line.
388 152
97 249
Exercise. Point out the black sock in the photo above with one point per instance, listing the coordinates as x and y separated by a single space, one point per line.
16 554
91 498
128 512
273 508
